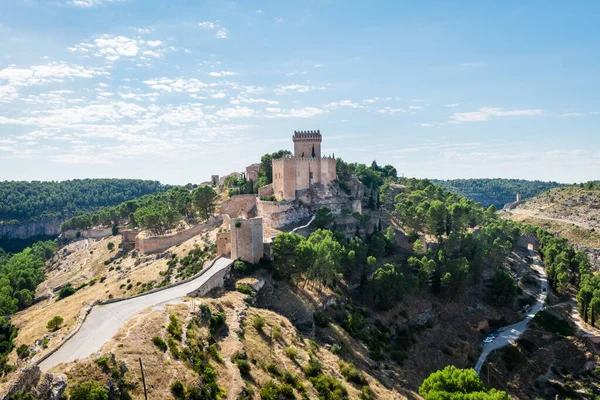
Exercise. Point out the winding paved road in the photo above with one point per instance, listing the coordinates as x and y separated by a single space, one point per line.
104 321
512 332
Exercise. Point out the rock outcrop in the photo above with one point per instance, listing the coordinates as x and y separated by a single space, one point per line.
25 230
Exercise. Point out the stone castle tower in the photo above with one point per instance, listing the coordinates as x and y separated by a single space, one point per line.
307 143
307 167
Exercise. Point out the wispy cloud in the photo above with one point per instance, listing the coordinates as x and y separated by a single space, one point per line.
221 32
113 48
390 110
222 73
304 112
452 105
484 114
90 3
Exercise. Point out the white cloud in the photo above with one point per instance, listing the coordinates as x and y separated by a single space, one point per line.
254 101
390 110
484 114
318 66
452 105
572 114
415 107
221 32
154 43
427 125
89 3
305 112
286 89
14 77
279 20
222 73
219 95
343 103
236 112
208 25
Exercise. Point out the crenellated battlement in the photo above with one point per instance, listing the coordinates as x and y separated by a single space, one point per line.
310 136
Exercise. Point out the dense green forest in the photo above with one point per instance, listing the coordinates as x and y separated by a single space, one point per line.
19 276
496 191
22 201
159 213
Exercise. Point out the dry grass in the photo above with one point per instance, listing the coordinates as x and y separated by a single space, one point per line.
80 262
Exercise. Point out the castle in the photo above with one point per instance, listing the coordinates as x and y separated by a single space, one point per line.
305 168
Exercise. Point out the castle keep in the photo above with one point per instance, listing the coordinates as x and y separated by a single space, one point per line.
305 168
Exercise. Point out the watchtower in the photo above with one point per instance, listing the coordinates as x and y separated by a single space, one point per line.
307 144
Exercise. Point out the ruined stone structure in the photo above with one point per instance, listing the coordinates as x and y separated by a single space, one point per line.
305 168
252 172
214 179
243 240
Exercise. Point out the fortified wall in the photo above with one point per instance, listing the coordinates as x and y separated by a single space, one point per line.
154 244
95 233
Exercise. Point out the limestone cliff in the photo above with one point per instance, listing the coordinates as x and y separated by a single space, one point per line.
25 230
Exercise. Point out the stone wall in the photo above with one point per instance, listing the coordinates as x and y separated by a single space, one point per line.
128 239
266 190
224 244
243 205
95 233
160 243
252 172
215 281
247 239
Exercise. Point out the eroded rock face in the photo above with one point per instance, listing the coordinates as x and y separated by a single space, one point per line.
24 230
51 386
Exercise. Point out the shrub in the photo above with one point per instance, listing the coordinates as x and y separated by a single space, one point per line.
214 353
174 327
258 322
290 352
110 246
367 394
244 288
217 320
158 342
102 362
44 343
90 390
268 198
55 323
273 370
336 349
351 374
329 387
173 348
243 365
239 266
313 368
276 331
272 391
23 351
66 291
177 389
321 319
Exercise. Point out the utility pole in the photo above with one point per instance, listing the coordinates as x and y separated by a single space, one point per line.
143 380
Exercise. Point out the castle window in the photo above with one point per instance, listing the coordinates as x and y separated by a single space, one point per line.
311 175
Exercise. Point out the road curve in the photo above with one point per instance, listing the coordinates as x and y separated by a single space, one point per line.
512 332
104 321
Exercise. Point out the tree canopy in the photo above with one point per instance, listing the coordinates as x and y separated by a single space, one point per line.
497 192
22 201
452 383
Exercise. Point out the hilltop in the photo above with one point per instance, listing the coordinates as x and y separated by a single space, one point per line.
497 192
573 212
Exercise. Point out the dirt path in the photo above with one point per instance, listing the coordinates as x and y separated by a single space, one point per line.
535 214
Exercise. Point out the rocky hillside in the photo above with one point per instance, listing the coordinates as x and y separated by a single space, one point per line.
573 212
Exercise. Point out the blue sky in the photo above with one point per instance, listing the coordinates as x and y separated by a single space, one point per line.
179 90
